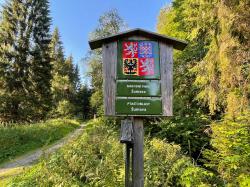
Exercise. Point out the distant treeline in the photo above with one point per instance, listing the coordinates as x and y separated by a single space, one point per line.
37 81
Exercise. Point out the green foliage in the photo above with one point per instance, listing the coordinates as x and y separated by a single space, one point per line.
217 54
82 101
10 173
213 70
40 66
25 70
96 102
230 154
190 119
158 167
191 132
171 168
17 139
65 85
96 159
14 52
64 108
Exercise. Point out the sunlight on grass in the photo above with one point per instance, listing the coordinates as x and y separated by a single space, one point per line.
6 176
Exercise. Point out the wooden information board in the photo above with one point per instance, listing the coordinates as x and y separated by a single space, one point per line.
138 66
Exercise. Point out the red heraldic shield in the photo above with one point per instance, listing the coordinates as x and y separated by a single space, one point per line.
146 66
130 50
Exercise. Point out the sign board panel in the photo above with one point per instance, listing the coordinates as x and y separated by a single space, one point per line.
138 60
138 88
142 106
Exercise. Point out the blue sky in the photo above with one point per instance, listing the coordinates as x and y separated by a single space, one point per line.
77 18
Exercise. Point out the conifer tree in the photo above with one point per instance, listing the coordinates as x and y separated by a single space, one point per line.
59 81
72 72
40 69
65 82
56 52
25 68
15 36
76 78
82 102
69 70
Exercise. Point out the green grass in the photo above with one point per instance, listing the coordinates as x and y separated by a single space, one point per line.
18 139
5 177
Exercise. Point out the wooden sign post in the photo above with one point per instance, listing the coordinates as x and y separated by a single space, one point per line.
138 82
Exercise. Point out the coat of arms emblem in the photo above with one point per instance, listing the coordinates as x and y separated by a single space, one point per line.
138 58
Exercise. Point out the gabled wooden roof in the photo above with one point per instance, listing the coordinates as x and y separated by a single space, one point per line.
177 44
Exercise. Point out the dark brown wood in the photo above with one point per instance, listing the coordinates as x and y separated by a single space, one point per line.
177 44
109 77
166 64
126 131
137 153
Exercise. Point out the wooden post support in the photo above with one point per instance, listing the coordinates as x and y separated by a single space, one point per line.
127 165
137 153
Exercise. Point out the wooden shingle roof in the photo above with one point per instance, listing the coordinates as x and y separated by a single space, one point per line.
177 44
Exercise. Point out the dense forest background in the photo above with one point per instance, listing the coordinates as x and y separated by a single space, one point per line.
37 81
211 80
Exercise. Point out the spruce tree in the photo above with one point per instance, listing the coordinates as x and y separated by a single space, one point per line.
25 69
72 72
76 78
56 53
65 78
15 36
40 69
59 81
